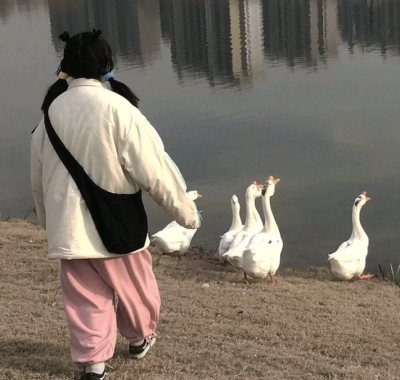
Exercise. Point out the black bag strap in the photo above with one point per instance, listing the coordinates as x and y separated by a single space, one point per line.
72 165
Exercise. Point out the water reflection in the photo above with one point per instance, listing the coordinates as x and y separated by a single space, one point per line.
370 25
22 6
5 10
228 41
300 32
131 27
212 39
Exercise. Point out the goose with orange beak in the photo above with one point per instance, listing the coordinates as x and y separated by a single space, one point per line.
263 253
251 227
348 262
174 238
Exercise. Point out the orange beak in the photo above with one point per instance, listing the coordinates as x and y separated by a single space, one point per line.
199 195
365 195
275 181
257 185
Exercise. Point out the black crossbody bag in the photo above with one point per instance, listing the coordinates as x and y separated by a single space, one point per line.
120 219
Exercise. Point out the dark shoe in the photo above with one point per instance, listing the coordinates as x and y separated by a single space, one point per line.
93 376
139 352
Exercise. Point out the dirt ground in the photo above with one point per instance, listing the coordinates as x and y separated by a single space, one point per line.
304 327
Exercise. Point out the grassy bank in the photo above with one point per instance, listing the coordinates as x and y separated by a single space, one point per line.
305 327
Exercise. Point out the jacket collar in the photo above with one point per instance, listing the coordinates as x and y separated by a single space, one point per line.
83 82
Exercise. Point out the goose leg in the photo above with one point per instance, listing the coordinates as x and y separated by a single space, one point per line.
366 277
272 279
245 279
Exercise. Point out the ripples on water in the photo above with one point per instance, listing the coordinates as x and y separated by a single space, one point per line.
239 90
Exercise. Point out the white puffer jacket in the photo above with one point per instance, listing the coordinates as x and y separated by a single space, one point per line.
121 152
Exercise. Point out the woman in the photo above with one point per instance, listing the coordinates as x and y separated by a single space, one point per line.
121 153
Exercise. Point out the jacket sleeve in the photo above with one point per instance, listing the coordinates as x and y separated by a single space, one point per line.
36 172
142 154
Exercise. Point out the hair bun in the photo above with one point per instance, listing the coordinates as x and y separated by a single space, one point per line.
64 37
97 33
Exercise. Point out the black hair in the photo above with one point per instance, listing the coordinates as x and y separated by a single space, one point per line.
86 55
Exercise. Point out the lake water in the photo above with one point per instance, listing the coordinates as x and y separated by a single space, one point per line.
305 90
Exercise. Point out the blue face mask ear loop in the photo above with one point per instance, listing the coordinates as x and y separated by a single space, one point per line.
107 76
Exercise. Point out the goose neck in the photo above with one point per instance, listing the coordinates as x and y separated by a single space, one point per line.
358 232
236 221
251 221
270 222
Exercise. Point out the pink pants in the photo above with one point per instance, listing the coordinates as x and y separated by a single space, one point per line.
88 288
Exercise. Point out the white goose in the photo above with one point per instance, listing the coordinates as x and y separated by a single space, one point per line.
251 227
349 260
175 238
236 226
263 253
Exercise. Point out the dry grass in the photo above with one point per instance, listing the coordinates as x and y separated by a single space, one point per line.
305 327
